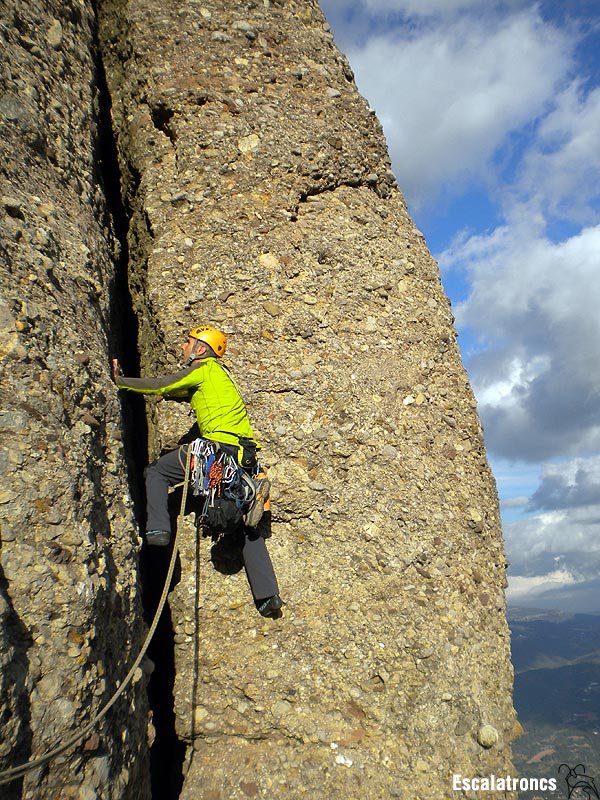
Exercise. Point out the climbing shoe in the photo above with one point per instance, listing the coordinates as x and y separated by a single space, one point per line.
158 538
262 487
270 606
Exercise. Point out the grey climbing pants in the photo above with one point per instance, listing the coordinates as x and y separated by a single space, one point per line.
168 471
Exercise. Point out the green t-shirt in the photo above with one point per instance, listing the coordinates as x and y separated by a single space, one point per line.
212 393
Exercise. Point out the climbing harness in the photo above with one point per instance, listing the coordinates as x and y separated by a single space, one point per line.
217 475
19 771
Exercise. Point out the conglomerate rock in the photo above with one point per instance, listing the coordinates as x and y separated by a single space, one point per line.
70 620
261 200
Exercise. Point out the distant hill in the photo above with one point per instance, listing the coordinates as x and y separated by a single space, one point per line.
556 657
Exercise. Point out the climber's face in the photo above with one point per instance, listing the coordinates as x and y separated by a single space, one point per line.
191 347
187 348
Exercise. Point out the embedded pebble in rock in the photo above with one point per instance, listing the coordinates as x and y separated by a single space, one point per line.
387 451
281 708
54 36
487 736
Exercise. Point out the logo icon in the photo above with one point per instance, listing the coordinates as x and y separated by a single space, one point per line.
579 785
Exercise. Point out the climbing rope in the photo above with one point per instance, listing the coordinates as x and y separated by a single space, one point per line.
19 771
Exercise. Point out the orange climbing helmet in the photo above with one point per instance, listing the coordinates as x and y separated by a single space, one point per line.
212 337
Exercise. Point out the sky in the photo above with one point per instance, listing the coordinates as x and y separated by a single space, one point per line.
491 111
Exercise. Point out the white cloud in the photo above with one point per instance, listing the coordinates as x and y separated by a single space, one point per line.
449 95
538 385
561 171
415 8
520 586
554 555
572 484
557 590
499 388
520 501
423 7
582 597
565 541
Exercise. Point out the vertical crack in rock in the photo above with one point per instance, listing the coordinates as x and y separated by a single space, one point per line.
167 752
123 323
16 642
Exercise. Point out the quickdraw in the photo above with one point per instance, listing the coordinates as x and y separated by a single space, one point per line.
215 477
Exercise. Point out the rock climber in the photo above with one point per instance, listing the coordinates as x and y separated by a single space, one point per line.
222 417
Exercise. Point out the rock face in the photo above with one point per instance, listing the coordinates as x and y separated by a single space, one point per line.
261 200
70 618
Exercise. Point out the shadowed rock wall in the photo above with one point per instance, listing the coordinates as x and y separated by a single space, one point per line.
262 201
70 618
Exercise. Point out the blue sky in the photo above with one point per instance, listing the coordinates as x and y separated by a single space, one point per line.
491 112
